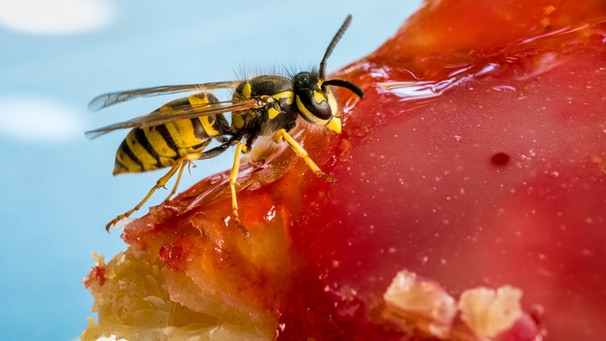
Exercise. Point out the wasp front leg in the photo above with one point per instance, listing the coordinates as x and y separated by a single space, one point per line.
283 135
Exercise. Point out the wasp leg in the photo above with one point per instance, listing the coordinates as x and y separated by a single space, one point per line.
181 169
240 148
160 183
179 165
198 156
222 139
283 135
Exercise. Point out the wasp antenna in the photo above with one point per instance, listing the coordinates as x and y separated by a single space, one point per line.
345 84
332 45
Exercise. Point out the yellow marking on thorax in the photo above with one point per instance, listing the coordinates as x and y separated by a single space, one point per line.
288 95
197 100
272 113
237 121
247 90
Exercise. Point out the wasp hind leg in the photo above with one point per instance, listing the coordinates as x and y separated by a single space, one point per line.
283 135
181 169
179 165
197 156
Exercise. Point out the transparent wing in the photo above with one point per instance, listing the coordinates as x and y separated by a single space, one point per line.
108 99
177 112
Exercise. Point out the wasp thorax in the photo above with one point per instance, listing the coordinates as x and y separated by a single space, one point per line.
313 102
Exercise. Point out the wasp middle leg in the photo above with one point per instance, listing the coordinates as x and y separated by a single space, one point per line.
240 148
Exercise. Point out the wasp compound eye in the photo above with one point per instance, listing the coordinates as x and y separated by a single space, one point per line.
314 103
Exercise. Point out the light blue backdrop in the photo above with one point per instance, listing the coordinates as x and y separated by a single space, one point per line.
56 187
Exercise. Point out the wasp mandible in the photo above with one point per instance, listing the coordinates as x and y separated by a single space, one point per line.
179 131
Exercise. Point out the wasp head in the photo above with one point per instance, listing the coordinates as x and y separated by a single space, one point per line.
316 102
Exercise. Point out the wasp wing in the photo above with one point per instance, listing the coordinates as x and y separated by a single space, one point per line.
108 99
184 111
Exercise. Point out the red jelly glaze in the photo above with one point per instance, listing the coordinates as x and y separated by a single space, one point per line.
418 187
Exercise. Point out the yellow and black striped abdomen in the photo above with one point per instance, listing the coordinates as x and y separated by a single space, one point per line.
150 148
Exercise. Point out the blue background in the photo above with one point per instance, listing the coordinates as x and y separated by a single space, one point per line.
56 188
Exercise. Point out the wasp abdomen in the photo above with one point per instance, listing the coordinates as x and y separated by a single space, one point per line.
150 148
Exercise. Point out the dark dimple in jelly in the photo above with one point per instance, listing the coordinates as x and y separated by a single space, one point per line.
500 159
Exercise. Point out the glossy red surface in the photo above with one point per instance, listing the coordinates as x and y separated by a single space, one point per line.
477 158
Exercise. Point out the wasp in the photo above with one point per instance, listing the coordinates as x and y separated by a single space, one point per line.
180 131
